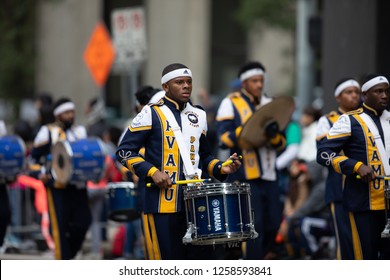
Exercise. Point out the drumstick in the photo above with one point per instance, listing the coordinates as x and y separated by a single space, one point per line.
386 178
181 182
229 161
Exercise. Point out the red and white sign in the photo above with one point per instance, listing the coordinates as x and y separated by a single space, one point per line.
129 36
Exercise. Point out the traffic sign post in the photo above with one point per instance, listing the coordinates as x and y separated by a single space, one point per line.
129 38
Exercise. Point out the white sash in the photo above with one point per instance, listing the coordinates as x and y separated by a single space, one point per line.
189 170
378 140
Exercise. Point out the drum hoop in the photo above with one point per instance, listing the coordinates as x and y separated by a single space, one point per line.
22 146
115 185
68 158
217 189
218 238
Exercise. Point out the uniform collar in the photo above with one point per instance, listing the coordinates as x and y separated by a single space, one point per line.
173 104
251 98
370 110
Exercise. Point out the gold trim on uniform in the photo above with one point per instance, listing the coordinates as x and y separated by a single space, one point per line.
338 136
133 161
141 128
336 163
211 166
226 140
357 248
170 165
249 157
376 191
151 241
54 224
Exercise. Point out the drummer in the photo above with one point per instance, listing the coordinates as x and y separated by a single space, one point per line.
259 168
69 211
164 219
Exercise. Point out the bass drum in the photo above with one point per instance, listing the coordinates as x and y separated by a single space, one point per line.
78 161
12 156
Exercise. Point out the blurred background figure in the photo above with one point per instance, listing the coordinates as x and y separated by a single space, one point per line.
95 113
97 192
290 153
70 215
44 106
211 107
147 94
306 227
308 145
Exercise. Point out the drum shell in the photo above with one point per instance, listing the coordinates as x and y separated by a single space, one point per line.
220 213
12 156
122 201
78 161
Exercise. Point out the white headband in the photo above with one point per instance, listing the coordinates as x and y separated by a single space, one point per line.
250 73
341 87
373 82
182 72
68 106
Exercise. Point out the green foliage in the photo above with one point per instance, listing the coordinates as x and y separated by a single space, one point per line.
279 13
17 48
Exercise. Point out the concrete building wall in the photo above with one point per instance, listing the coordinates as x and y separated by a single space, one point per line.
178 31
274 48
349 43
64 29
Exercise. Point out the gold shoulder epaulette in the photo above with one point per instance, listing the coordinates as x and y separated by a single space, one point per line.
354 112
331 114
158 103
234 94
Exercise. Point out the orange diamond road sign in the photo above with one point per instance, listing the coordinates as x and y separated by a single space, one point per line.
99 54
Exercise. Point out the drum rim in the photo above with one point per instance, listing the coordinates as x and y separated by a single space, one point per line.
23 159
67 145
192 192
69 154
219 238
114 185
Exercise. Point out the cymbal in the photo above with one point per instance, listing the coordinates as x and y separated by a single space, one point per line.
279 109
61 162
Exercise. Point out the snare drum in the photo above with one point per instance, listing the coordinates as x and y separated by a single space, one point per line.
218 213
78 161
12 156
122 201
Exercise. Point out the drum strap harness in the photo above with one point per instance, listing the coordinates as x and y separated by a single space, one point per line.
378 140
189 170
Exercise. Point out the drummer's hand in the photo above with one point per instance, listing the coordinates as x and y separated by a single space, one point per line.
366 173
161 179
44 177
271 129
233 167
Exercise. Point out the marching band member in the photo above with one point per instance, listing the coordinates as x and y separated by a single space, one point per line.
347 95
5 211
162 128
363 135
69 211
259 168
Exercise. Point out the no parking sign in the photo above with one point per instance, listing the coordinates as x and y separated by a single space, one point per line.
129 37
